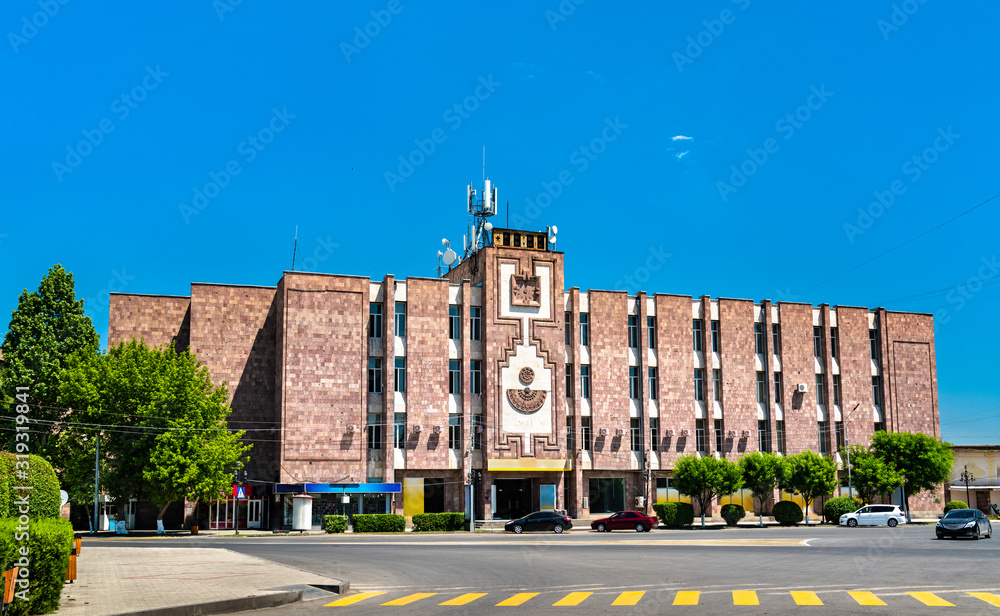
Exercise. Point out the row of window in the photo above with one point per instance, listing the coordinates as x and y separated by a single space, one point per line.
454 321
399 376
399 435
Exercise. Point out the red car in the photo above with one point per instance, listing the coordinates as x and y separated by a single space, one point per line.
625 520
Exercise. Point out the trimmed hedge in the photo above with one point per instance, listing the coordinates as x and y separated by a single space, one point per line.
426 522
787 513
955 505
43 501
379 523
675 515
335 523
733 513
48 543
836 507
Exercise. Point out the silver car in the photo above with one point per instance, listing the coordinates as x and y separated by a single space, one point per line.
874 515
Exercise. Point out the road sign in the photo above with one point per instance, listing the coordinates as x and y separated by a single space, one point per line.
241 492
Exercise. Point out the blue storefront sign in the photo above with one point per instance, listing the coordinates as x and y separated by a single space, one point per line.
338 488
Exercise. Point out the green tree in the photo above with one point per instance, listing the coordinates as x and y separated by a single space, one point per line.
705 478
46 330
872 476
923 461
762 472
810 475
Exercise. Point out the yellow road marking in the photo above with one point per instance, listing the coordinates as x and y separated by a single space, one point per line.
805 597
687 597
987 597
745 597
468 597
517 599
863 597
573 598
354 599
929 598
408 599
629 598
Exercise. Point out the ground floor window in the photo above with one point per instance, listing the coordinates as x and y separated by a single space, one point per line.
607 495
665 493
433 495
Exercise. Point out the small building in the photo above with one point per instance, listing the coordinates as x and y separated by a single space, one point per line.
982 462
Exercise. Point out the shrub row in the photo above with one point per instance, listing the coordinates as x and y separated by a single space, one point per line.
836 507
335 523
48 543
673 515
787 513
43 501
423 522
732 514
955 505
378 523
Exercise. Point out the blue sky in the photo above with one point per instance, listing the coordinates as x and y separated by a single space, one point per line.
147 147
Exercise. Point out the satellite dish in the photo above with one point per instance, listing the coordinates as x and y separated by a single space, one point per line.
554 229
445 242
552 239
449 257
488 226
63 497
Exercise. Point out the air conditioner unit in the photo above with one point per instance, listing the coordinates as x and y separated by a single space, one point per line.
669 432
745 434
417 427
352 427
732 434
685 432
437 429
479 429
602 432
619 432
802 388
640 501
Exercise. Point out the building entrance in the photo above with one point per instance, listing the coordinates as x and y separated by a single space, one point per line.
513 498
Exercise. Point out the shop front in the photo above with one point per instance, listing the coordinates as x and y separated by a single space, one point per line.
339 499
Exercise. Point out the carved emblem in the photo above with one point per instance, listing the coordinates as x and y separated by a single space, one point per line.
527 375
526 400
525 291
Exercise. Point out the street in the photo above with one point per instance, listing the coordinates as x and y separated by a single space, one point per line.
745 571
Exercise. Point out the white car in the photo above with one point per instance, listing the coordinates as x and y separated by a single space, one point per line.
874 515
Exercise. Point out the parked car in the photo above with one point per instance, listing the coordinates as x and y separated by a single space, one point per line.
540 520
874 515
964 523
625 520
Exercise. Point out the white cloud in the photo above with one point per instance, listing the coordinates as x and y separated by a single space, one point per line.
679 137
682 154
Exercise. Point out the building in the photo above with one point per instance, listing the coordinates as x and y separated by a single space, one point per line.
982 462
497 388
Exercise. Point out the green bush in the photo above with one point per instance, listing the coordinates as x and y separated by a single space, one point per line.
732 514
955 505
787 513
49 543
674 515
335 523
379 523
427 522
836 507
43 501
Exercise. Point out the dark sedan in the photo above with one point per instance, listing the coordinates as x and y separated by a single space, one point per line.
625 520
540 520
964 523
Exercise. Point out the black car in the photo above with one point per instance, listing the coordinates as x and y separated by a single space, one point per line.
964 523
540 520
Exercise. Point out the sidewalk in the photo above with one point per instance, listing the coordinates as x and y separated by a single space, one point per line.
184 582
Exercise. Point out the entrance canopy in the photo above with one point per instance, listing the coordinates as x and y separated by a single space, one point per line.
338 488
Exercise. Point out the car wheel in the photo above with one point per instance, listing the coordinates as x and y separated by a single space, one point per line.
601 528
940 537
976 534
518 529
989 534
639 528
852 523
558 529
892 522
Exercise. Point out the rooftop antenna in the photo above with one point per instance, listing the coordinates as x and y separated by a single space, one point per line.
295 246
481 207
448 257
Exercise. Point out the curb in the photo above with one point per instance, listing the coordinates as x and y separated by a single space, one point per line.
225 606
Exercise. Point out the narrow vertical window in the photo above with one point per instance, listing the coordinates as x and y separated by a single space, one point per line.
877 390
399 375
873 343
717 384
374 320
652 383
374 375
455 322
399 430
454 376
880 426
477 432
401 319
715 336
818 342
761 387
776 338
585 381
455 431
476 377
699 384
720 436
777 388
633 382
475 323
763 436
779 433
374 431
836 389
838 430
699 435
651 331
585 434
567 323
570 441
820 389
654 433
633 331
584 329
569 380
824 438
696 331
758 338
834 343
636 430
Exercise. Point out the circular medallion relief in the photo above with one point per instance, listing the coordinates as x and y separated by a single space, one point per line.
527 375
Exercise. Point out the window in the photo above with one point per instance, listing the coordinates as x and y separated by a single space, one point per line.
836 389
758 338
818 342
374 431
651 331
401 319
880 426
454 431
569 380
654 433
475 323
584 328
720 436
838 430
761 387
717 385
777 388
873 343
652 383
636 429
633 382
454 376
476 376
834 345
699 435
477 434
585 433
374 375
877 390
776 338
585 381
824 437
696 330
633 331
399 376
820 389
570 441
374 320
699 384
763 436
399 430
567 326
779 433
455 322
715 336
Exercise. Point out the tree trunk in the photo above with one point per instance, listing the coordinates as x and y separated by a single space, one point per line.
163 510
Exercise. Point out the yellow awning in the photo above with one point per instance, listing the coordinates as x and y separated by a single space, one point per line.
529 464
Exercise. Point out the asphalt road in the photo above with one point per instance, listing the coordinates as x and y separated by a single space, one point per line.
781 569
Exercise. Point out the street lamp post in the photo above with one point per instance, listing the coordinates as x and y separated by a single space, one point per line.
847 443
967 477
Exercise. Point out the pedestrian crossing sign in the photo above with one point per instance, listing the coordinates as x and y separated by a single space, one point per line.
241 492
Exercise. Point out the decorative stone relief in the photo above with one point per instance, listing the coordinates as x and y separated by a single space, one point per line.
525 291
526 400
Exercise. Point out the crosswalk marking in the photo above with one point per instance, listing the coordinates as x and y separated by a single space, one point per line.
687 597
629 598
573 598
408 599
929 598
987 597
863 597
353 599
745 597
517 599
468 597
805 597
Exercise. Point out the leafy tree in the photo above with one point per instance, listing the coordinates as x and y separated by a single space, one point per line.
705 478
762 473
810 475
923 461
872 476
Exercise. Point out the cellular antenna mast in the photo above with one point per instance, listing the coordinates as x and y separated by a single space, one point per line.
481 207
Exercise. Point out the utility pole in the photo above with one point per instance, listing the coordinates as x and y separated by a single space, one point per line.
967 477
847 442
97 479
